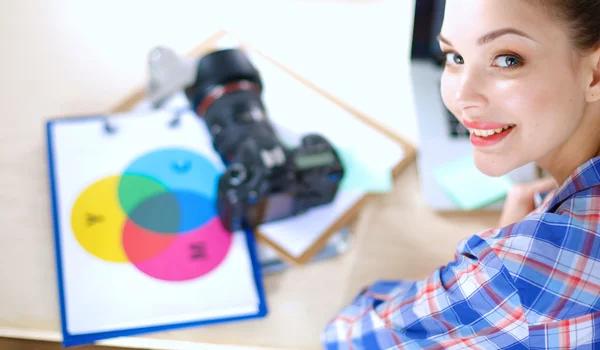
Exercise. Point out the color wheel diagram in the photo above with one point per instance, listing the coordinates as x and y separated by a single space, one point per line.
158 215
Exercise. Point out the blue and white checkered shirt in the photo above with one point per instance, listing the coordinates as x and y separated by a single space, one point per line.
534 284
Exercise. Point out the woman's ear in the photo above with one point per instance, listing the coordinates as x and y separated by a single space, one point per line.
593 92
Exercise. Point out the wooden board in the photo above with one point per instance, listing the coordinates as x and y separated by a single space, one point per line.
343 221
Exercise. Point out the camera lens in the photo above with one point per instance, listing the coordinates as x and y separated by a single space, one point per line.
217 71
237 174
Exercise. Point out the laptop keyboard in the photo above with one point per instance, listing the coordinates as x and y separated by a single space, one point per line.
457 130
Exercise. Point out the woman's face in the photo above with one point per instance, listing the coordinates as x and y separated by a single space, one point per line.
513 79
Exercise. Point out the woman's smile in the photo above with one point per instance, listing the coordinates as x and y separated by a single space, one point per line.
487 133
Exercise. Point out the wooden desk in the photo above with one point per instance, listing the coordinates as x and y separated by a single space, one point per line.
59 62
396 237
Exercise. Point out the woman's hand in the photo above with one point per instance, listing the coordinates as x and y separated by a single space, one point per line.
520 200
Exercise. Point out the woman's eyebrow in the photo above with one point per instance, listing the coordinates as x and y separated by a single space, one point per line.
500 32
490 36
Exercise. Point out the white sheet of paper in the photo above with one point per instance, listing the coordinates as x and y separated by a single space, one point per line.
292 104
295 106
204 277
298 233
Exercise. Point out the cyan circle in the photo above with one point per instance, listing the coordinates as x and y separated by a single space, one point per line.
195 210
178 169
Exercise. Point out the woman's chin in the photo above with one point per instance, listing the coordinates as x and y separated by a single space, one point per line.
493 166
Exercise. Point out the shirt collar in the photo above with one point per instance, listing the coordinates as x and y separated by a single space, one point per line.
585 176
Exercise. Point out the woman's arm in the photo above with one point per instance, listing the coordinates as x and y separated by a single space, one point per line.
472 301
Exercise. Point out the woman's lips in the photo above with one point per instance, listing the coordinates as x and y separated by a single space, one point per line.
485 141
482 125
485 133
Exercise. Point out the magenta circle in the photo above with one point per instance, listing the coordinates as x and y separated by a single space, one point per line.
190 255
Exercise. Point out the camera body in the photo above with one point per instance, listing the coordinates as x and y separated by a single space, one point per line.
264 180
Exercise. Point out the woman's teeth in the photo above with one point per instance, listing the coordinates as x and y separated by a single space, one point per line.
486 133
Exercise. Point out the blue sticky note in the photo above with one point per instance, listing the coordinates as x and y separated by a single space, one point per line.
358 175
467 186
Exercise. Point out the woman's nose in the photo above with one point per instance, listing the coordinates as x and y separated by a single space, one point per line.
470 92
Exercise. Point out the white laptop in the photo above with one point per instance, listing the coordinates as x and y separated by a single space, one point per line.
442 137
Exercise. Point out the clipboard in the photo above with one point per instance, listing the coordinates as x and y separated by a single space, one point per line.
129 213
349 213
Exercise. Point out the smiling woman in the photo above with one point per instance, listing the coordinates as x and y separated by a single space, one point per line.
523 76
529 72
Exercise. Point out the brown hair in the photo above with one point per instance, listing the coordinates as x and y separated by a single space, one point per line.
582 18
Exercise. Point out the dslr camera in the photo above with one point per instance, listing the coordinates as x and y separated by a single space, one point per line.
264 180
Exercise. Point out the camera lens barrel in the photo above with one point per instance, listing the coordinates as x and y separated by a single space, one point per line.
219 73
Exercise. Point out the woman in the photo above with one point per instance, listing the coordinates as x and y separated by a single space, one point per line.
524 77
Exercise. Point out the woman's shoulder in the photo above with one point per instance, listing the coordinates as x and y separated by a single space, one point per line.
569 229
564 231
568 224
547 254
571 211
575 215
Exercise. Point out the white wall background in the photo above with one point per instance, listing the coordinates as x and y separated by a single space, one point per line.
82 56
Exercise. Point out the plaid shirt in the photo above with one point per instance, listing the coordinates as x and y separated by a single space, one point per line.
534 284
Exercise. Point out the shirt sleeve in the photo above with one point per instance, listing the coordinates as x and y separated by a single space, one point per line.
471 303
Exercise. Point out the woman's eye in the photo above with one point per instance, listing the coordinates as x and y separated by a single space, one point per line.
507 61
452 58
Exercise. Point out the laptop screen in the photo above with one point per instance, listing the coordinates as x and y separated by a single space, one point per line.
429 15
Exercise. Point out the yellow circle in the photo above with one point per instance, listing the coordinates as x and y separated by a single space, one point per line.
97 220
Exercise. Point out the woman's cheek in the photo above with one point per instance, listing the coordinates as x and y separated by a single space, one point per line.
535 109
520 101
